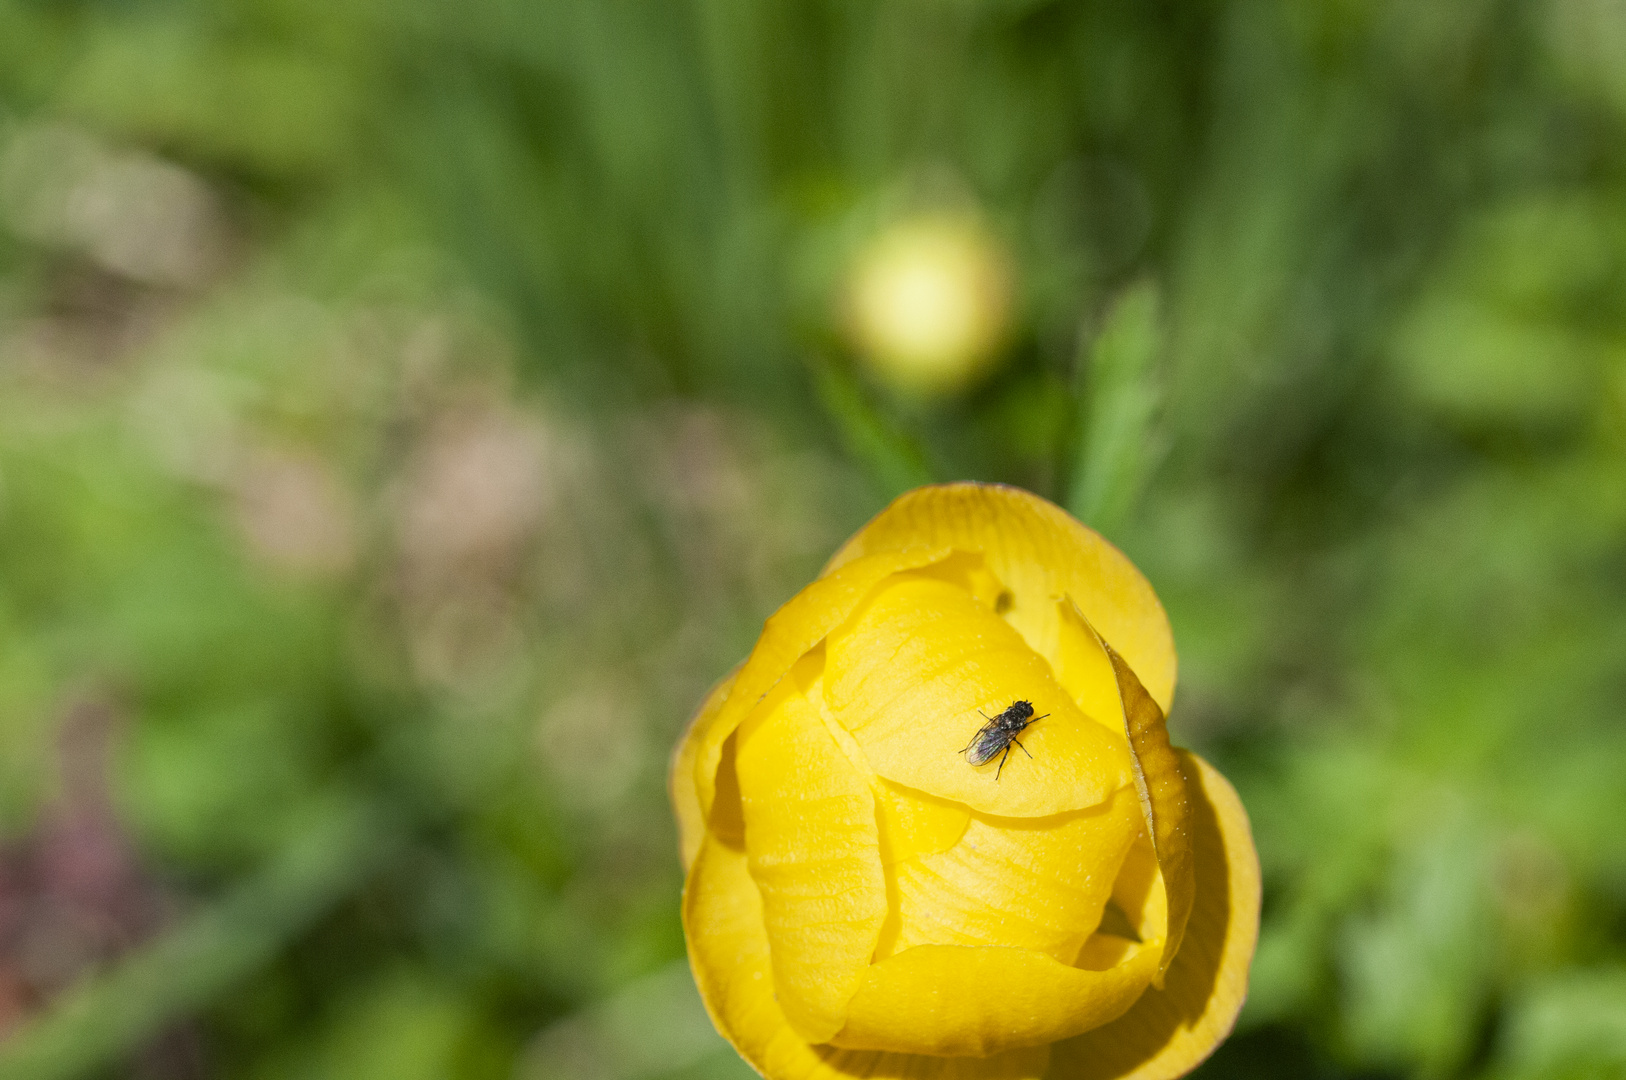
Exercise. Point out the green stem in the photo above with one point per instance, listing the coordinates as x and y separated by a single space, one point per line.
893 457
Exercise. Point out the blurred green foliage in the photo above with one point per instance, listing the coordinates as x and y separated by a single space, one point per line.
406 410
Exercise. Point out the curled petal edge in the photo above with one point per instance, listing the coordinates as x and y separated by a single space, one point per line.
1169 1032
691 819
1161 783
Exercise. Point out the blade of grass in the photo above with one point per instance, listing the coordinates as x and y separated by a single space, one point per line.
1119 397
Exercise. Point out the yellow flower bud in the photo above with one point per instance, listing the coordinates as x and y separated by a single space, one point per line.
928 302
863 900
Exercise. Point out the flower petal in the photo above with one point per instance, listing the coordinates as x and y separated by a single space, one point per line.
728 951
955 1000
914 823
795 628
921 666
1040 553
813 852
1170 1031
1158 779
1139 895
680 782
1084 669
1020 1064
1018 883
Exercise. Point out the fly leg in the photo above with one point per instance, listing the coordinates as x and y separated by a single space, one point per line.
1024 749
1002 761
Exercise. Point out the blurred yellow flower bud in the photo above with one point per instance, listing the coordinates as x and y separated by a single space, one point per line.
863 900
928 301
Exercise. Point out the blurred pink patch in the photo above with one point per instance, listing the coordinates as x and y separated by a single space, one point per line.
477 492
293 513
72 894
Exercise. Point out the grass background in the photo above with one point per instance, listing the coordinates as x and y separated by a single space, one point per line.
408 409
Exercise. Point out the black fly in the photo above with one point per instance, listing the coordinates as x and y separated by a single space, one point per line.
999 733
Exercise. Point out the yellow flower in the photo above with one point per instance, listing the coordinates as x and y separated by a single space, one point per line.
864 901
928 302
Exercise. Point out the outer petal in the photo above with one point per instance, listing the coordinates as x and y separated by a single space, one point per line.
918 669
954 1000
795 628
1170 1031
680 782
1040 553
728 950
1026 884
814 853
1158 779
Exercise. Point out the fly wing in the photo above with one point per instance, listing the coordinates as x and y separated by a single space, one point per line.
989 741
984 730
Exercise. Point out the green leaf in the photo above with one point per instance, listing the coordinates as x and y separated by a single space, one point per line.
1119 397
